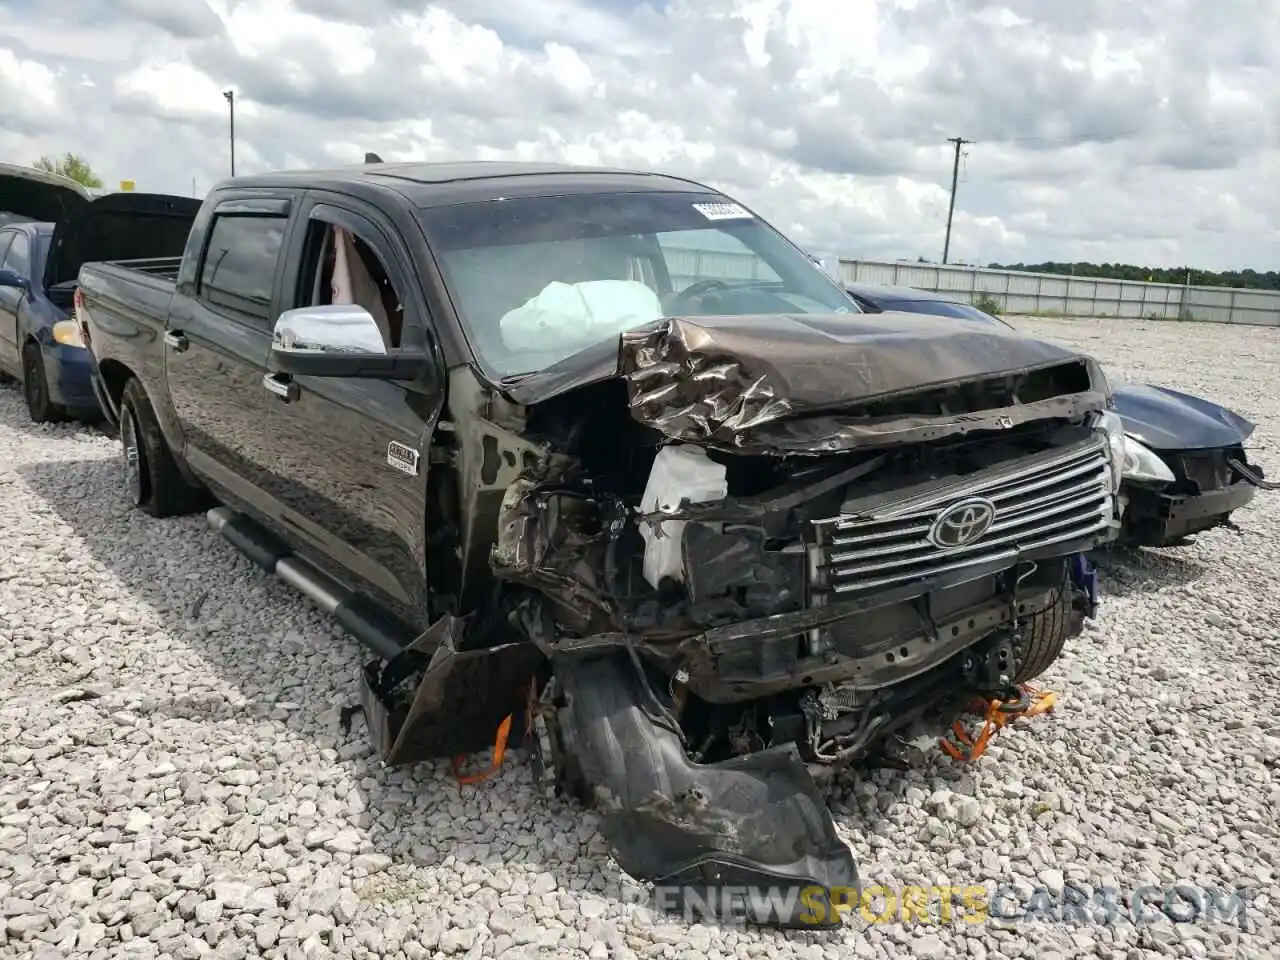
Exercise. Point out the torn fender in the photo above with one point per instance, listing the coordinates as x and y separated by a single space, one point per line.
434 701
805 383
754 829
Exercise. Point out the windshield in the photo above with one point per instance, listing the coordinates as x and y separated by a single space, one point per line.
943 308
538 279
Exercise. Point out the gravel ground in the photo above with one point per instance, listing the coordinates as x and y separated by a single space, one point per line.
173 781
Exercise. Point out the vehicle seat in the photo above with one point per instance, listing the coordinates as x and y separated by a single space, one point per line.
353 283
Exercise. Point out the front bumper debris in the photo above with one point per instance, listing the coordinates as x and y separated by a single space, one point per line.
748 839
1252 474
460 700
1155 519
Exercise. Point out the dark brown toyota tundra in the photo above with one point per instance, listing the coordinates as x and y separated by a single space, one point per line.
603 452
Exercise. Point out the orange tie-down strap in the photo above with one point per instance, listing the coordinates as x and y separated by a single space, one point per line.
996 714
499 754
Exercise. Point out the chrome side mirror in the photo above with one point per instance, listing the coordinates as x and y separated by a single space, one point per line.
334 328
342 341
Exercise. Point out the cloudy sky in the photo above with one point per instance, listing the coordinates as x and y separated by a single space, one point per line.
1125 131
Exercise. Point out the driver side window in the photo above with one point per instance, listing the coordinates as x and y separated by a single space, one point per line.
696 255
346 269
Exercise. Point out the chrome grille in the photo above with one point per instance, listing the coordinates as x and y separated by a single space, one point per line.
1039 501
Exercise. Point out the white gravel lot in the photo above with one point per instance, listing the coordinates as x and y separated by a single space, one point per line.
173 781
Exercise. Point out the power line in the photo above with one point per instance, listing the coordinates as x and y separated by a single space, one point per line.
955 176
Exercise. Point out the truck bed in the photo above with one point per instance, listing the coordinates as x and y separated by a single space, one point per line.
127 309
132 290
162 268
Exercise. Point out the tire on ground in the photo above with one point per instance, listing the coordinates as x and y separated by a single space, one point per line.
1044 635
165 491
35 387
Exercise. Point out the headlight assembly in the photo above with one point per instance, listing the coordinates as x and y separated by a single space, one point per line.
1143 465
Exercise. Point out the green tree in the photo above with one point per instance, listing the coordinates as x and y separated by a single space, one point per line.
1247 278
72 166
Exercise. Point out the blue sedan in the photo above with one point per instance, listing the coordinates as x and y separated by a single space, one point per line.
1186 470
40 342
49 226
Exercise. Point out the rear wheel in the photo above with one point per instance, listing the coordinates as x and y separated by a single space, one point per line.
35 387
152 479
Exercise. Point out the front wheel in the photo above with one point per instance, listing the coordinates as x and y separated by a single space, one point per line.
555 768
35 387
1044 635
152 479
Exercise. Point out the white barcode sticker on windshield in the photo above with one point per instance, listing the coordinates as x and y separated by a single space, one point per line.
722 211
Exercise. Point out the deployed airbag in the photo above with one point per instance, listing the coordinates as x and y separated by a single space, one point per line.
571 316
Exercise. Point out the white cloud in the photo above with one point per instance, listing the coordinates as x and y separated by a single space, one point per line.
27 86
177 90
1131 132
277 30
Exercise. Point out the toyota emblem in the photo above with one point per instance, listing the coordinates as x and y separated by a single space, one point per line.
962 523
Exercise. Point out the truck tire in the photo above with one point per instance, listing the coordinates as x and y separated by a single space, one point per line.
1044 635
153 481
35 387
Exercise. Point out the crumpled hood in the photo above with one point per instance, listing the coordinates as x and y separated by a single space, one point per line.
1165 419
793 383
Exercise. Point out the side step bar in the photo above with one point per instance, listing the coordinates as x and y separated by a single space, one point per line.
271 555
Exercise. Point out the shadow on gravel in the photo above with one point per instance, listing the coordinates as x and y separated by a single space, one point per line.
271 690
1131 571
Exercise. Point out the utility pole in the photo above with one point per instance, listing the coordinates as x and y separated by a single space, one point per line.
955 177
230 96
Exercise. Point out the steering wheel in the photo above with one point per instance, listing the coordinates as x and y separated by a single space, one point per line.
698 289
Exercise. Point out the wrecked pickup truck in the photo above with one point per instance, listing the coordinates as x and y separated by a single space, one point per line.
600 457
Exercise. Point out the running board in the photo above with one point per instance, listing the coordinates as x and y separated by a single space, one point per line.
269 553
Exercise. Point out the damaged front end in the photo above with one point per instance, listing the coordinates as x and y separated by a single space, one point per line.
754 826
752 557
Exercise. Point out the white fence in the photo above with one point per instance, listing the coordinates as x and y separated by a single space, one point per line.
1018 292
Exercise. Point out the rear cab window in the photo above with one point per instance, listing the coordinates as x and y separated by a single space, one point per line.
237 273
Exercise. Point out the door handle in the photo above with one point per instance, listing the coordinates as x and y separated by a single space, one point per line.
177 340
286 390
